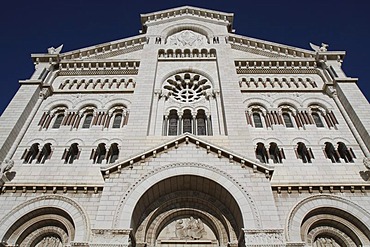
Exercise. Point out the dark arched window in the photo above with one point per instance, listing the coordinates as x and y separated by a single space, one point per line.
201 123
317 119
99 154
31 154
58 121
187 122
287 120
261 153
345 153
303 153
117 121
276 154
45 153
71 154
87 121
113 153
331 153
257 120
172 123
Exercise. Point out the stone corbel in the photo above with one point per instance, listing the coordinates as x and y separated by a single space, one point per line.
5 168
44 93
366 161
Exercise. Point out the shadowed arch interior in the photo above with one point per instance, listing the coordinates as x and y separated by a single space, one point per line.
340 226
187 195
27 224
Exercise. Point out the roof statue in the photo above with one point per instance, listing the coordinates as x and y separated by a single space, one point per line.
53 50
324 47
6 166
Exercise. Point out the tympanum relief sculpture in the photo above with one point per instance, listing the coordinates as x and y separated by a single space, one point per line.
187 38
187 229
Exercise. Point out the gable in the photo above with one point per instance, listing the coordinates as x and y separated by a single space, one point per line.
204 147
204 15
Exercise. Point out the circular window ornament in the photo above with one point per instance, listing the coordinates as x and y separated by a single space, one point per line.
187 87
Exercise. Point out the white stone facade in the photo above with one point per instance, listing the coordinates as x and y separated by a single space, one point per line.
186 135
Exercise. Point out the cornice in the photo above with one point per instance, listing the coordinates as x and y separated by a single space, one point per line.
187 11
186 139
51 188
320 188
271 49
100 51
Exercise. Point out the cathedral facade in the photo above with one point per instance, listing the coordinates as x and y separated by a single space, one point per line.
186 135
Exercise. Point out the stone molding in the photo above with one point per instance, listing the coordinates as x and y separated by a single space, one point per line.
320 188
188 138
247 196
294 219
71 207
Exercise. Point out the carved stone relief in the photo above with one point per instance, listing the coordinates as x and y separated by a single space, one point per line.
187 229
325 242
50 242
187 38
264 238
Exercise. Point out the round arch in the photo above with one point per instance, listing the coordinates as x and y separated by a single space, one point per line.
74 211
312 207
189 70
125 209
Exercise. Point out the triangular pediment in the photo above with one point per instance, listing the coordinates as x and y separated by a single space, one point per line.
187 139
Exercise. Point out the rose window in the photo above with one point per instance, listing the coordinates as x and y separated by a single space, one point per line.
187 87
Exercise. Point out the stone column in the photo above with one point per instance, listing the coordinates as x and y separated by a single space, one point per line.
165 125
209 125
179 126
194 125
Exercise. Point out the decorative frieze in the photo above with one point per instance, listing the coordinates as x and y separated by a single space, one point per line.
98 67
97 85
264 237
110 238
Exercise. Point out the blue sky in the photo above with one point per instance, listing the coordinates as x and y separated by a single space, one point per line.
33 26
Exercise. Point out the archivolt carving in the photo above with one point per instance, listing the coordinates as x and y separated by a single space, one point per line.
294 219
325 229
47 241
123 200
41 201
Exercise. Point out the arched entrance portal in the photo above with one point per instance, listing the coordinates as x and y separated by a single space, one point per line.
186 210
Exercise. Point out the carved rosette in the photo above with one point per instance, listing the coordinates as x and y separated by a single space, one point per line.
187 87
273 237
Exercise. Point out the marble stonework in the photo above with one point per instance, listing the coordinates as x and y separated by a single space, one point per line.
187 134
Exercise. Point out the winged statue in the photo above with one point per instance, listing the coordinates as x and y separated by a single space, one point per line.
57 50
324 47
